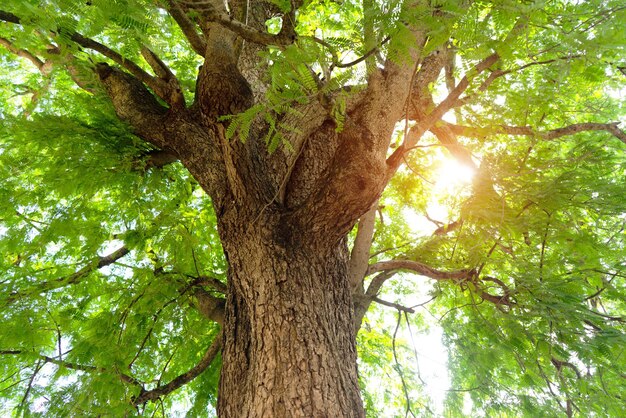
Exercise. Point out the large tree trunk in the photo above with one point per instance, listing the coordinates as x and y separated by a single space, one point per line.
289 340
289 348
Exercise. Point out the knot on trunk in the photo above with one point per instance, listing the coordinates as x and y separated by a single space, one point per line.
223 90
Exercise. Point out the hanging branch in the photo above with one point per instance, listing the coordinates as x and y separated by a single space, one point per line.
399 369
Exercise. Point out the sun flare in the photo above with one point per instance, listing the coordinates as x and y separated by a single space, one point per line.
451 176
450 179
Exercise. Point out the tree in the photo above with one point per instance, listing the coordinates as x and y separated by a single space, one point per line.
182 180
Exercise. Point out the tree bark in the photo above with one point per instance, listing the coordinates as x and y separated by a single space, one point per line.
289 347
289 338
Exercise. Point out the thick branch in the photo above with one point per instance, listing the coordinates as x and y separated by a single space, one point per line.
134 103
210 307
184 378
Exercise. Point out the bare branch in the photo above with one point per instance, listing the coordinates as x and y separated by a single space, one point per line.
196 40
184 378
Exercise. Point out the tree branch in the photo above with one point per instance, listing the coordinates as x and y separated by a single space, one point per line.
164 89
211 307
154 159
75 366
479 132
134 103
359 256
211 282
9 17
362 302
168 83
211 14
184 378
73 278
394 305
421 269
459 277
433 117
197 42
161 87
25 54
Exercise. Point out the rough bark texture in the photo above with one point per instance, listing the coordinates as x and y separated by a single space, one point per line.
289 340
289 348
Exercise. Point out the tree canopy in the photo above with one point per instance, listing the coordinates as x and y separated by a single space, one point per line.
501 226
